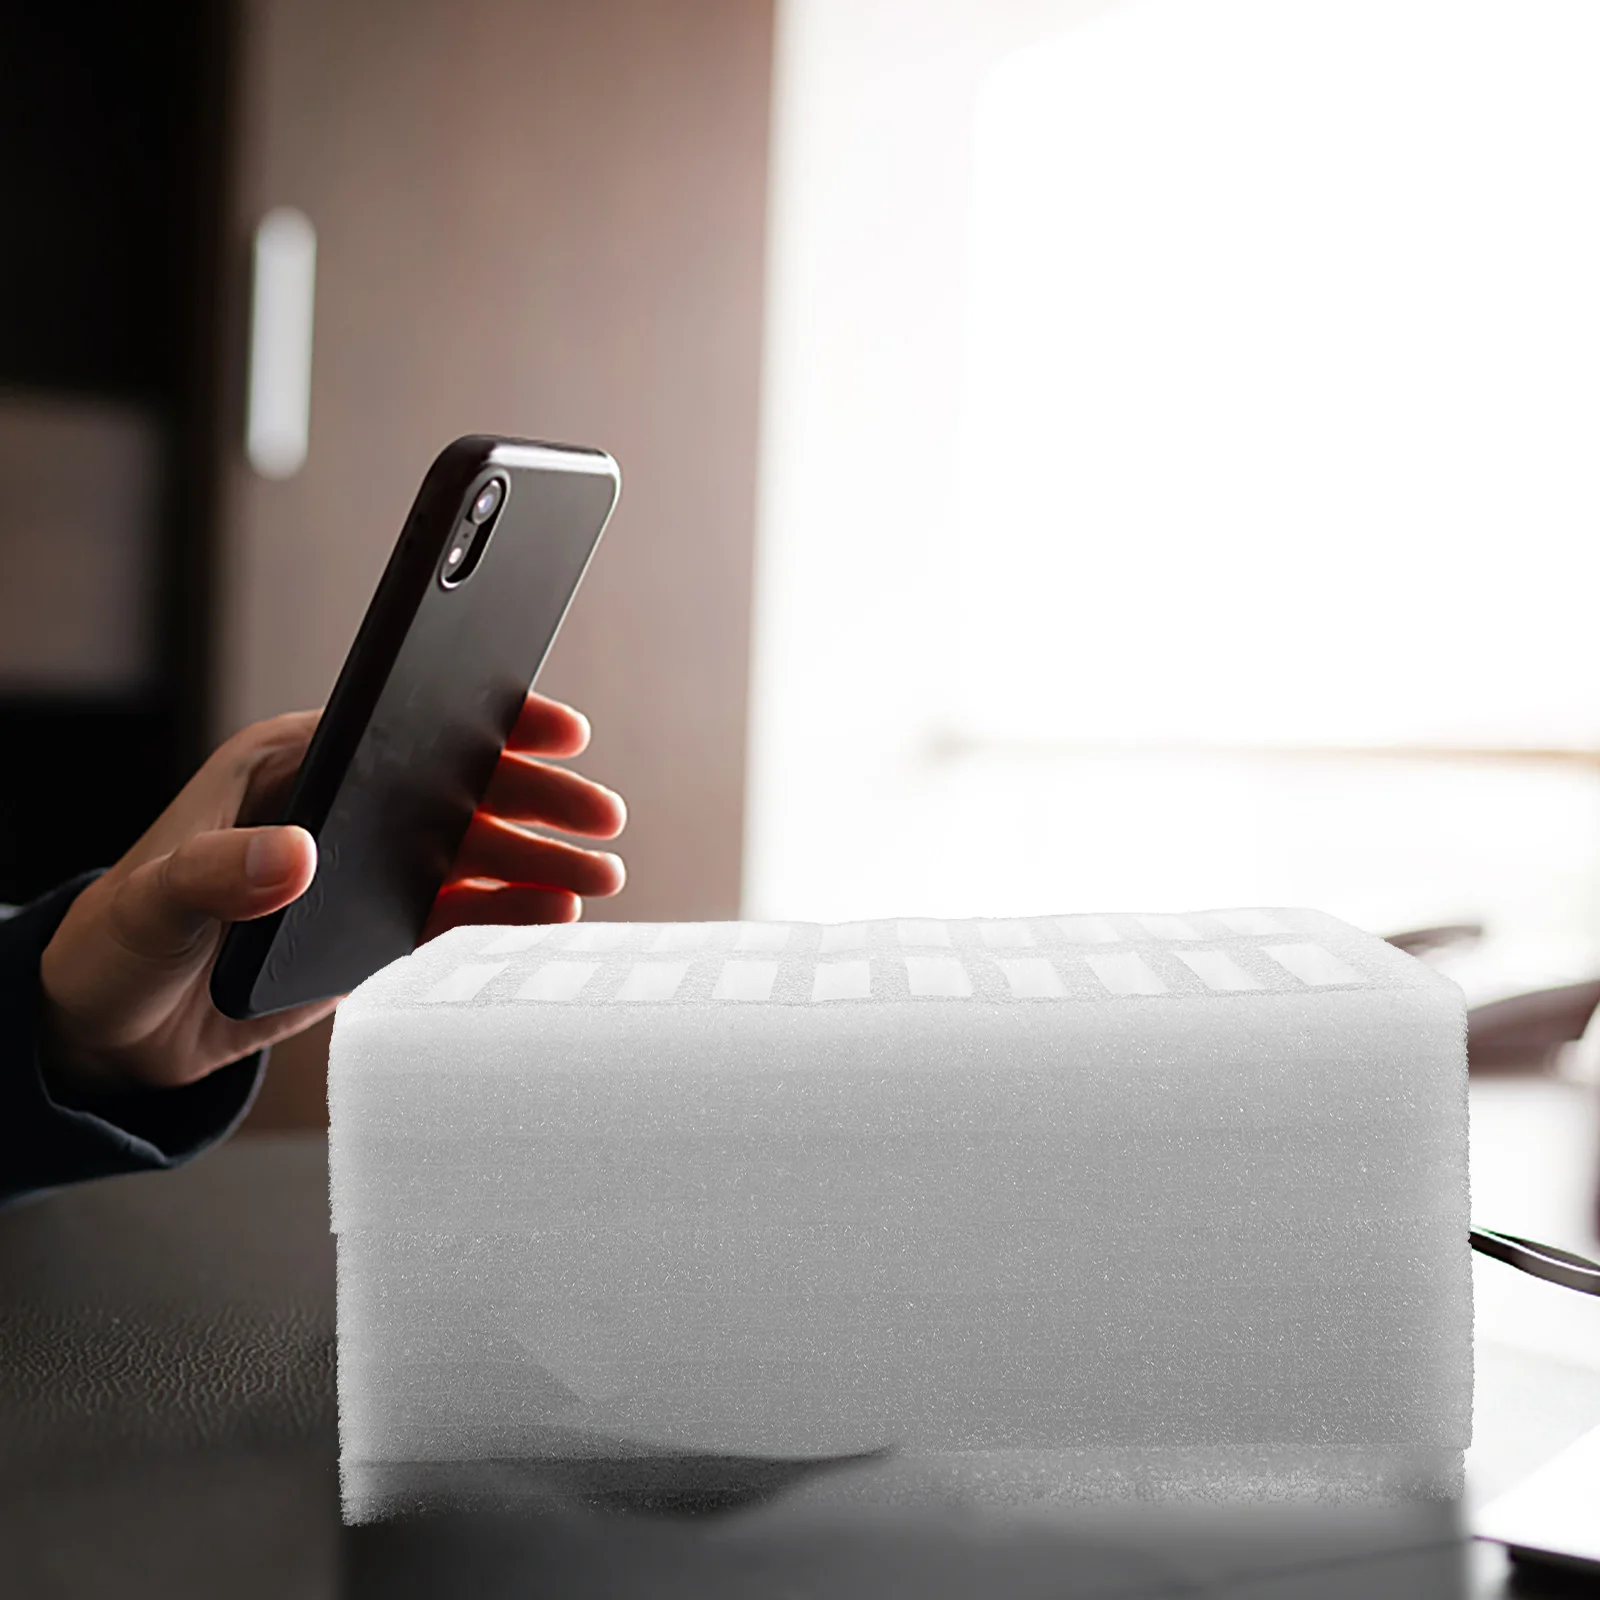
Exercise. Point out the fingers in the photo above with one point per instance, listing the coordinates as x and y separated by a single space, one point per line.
529 791
495 849
504 874
288 733
241 782
238 1038
163 910
469 903
267 756
548 728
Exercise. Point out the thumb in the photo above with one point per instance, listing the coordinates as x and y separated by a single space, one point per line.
164 908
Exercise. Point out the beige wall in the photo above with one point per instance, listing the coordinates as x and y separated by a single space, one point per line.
541 219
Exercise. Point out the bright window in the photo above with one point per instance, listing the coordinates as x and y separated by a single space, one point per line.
1181 482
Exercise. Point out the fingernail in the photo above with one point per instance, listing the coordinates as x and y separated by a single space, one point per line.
270 858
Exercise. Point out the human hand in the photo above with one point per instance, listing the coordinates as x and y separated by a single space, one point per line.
126 977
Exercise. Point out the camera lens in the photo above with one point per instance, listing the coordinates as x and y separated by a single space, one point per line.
488 501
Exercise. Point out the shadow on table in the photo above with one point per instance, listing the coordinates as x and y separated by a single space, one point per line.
717 1528
642 1483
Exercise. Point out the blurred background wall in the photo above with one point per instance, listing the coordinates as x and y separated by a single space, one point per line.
111 177
538 219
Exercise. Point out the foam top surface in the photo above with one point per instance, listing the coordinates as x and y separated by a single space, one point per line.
1281 1050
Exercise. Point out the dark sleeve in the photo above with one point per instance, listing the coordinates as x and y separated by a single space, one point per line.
47 1140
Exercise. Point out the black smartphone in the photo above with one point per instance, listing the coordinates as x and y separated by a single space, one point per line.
489 559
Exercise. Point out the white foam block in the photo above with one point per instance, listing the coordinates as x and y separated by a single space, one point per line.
1154 1196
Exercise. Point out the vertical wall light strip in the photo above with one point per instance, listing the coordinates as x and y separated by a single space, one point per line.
278 416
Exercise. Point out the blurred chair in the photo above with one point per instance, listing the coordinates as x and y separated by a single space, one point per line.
1522 1034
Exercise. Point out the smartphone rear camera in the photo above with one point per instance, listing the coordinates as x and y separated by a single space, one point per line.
488 501
467 543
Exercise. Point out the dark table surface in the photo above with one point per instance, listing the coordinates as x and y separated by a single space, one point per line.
167 1413
168 1427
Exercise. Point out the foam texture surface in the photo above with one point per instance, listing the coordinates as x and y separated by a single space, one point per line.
1129 1204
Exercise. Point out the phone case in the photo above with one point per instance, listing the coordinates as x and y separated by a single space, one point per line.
416 722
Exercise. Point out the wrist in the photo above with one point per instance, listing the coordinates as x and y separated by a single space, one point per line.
73 1075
